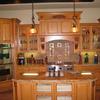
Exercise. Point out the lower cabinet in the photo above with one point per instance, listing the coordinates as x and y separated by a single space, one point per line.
6 90
95 69
84 91
98 92
53 90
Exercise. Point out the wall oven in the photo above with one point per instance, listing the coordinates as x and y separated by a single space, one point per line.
5 73
5 61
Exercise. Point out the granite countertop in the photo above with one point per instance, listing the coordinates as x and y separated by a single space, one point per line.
66 76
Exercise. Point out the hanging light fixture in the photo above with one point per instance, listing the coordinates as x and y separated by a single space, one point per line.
74 24
33 29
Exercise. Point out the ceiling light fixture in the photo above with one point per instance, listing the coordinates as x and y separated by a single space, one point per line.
74 23
33 29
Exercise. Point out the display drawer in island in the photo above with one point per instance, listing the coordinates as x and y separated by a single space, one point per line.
56 88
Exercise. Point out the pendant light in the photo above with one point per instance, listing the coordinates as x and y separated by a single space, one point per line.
74 24
33 29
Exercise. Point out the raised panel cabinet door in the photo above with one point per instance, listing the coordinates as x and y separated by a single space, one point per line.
83 91
53 27
43 30
1 34
24 90
66 26
6 31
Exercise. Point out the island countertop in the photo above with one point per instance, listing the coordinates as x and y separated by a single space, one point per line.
66 76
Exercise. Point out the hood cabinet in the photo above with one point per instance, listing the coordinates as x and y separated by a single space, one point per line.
57 23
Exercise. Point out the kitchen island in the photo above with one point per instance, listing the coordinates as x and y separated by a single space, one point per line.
69 86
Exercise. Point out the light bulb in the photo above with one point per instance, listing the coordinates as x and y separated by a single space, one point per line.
33 30
74 29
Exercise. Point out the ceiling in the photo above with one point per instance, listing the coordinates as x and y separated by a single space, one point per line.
47 4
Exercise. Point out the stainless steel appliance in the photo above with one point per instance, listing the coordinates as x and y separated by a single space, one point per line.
68 66
57 70
5 61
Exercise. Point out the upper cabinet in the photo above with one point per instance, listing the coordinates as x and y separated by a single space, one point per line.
90 36
7 29
96 37
26 40
57 23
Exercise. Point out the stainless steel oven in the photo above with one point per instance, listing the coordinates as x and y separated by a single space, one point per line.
5 61
5 73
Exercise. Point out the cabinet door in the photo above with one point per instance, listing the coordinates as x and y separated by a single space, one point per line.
53 27
5 30
84 91
22 42
43 30
26 40
24 91
86 37
6 90
32 42
96 37
90 36
66 26
22 37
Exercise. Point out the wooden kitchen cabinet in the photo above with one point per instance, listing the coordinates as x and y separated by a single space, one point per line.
30 42
57 23
53 90
96 72
23 90
55 26
84 91
7 30
6 90
26 40
96 37
90 36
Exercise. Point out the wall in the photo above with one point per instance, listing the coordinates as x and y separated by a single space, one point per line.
88 14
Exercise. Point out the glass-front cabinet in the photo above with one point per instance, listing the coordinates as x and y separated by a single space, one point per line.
62 91
90 43
90 36
96 37
26 40
85 37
